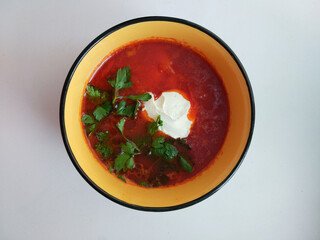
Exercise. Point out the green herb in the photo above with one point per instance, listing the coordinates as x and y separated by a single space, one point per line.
164 149
102 111
186 166
102 146
141 97
144 143
91 129
122 178
130 163
136 109
158 142
110 168
171 151
120 124
120 161
87 119
154 126
125 110
125 159
145 184
93 91
102 136
122 81
128 148
183 143
104 150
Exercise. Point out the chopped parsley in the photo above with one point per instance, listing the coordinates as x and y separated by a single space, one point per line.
95 94
121 178
154 126
102 145
110 168
125 110
158 142
125 160
164 149
93 91
102 111
102 136
104 150
141 97
136 108
183 143
90 123
121 81
146 184
91 129
186 166
120 126
87 119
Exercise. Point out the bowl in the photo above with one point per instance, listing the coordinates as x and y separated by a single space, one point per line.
237 140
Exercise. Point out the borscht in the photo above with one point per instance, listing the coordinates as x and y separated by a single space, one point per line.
155 113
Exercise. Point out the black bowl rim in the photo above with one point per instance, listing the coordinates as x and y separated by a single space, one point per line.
65 89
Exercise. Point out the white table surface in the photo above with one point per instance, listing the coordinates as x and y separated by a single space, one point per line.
274 195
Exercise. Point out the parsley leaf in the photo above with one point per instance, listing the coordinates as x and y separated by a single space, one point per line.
99 113
87 119
154 126
130 163
105 151
183 143
93 91
141 97
102 111
164 149
158 142
171 151
90 122
186 166
95 94
112 83
145 184
91 129
120 161
122 81
120 124
102 136
122 178
128 148
125 159
136 109
125 110
110 168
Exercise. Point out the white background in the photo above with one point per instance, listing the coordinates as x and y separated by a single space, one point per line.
274 195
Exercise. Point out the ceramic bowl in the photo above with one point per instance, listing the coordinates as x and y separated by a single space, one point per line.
237 140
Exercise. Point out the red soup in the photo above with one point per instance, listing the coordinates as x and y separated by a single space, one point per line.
122 135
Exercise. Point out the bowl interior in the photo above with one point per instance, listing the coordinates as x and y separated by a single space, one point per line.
236 139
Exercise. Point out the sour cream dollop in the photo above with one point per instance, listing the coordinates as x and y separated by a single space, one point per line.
173 109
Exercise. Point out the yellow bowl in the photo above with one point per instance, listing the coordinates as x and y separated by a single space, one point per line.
237 140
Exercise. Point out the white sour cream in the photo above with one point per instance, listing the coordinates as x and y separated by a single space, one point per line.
173 109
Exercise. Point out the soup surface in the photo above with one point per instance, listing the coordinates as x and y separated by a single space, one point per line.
123 137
